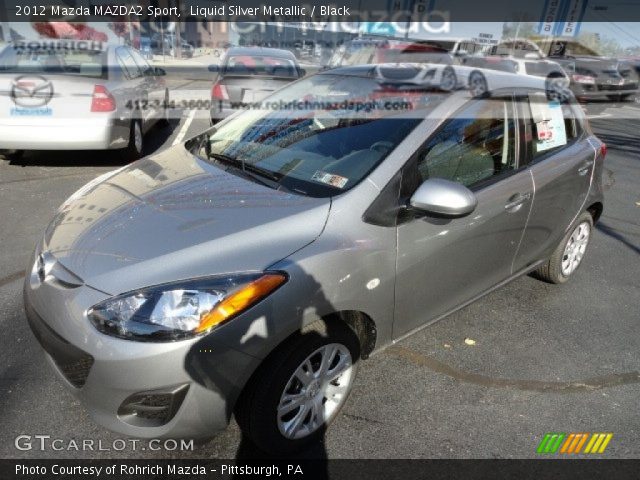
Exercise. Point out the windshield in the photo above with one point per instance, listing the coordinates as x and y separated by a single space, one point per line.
64 61
322 135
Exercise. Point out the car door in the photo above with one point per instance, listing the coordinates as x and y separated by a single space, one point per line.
562 169
443 263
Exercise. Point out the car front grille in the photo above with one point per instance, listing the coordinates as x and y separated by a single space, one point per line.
74 363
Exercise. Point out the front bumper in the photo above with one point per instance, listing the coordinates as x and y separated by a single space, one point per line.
106 373
599 90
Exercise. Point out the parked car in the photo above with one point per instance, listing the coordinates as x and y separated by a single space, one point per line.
519 57
246 75
592 76
66 95
249 269
187 49
376 51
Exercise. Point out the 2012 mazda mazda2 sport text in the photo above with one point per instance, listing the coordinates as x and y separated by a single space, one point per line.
248 270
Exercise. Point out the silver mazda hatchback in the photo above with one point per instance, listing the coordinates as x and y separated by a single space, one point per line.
248 270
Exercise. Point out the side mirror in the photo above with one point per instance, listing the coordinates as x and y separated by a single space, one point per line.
213 68
443 197
159 72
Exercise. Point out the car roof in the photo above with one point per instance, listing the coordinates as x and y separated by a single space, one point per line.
261 51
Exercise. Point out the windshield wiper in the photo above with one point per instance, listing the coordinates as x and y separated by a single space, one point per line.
249 169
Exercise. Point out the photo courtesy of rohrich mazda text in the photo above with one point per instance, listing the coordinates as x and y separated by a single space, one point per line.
243 228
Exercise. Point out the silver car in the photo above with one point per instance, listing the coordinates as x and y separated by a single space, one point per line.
249 270
78 95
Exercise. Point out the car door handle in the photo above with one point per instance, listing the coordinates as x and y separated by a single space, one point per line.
516 200
585 168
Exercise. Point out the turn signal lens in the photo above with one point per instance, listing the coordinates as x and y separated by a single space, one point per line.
241 300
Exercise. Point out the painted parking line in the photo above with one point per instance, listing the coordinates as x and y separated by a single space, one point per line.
185 127
602 115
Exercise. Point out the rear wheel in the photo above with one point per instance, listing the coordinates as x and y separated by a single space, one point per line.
299 389
569 254
12 155
166 114
133 151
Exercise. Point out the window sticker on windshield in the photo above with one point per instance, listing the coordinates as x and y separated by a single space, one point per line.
551 133
330 179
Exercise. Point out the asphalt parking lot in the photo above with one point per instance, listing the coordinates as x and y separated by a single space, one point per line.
546 358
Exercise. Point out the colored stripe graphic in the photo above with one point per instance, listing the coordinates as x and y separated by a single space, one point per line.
598 442
572 443
551 442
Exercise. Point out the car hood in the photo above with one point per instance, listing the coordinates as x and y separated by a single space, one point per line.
173 216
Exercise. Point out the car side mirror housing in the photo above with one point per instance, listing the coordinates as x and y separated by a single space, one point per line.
442 197
213 68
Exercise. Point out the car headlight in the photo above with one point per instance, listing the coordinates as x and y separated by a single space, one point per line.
184 309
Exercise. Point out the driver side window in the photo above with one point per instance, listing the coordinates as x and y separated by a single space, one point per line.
476 144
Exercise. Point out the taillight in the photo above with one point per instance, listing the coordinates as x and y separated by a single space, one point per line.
102 100
219 91
603 149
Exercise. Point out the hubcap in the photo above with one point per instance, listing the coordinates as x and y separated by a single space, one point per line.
448 80
316 391
137 137
477 85
575 248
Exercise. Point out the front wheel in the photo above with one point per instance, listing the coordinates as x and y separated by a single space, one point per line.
300 389
449 80
569 254
478 85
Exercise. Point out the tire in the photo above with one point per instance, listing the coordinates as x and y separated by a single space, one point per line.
449 80
564 263
261 410
134 149
166 118
557 88
478 85
12 155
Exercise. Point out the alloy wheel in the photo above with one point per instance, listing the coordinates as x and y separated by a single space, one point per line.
575 248
315 392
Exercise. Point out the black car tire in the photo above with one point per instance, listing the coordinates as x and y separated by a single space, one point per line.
256 409
166 119
133 152
551 271
12 155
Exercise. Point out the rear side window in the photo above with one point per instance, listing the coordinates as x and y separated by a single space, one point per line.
553 125
127 62
37 59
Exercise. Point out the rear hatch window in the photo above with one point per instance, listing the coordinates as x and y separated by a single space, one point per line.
53 59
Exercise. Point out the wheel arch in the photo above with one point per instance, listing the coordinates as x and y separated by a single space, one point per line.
596 209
